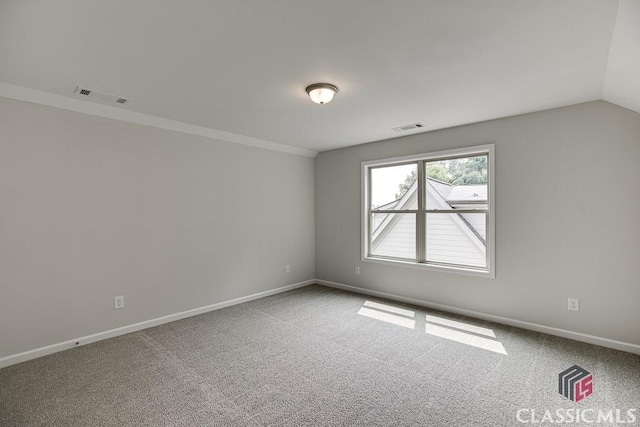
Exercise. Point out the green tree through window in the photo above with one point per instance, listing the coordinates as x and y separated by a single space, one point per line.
467 171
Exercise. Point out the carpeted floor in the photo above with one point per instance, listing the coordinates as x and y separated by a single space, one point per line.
315 356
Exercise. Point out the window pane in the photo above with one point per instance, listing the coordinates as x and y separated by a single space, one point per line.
394 235
457 183
457 239
392 187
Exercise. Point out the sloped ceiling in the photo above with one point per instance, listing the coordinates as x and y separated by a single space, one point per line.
622 79
237 70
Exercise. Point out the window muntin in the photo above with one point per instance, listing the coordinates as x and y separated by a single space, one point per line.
433 210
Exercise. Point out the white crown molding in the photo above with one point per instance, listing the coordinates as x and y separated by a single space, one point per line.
80 106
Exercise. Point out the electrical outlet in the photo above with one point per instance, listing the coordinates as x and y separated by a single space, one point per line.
357 271
573 304
118 302
287 269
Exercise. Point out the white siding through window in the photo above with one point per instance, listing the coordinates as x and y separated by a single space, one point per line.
450 240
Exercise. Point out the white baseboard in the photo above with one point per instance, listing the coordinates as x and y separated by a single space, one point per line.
54 348
578 336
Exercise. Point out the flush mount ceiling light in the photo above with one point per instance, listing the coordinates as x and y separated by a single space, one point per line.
321 93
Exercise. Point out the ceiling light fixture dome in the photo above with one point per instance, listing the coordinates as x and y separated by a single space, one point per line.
321 93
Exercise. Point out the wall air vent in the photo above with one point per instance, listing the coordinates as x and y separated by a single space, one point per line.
100 96
407 127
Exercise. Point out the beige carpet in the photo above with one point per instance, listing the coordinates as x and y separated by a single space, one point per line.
314 356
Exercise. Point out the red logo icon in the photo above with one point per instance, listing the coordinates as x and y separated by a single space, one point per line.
575 383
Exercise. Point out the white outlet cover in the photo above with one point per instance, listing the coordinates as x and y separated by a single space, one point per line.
573 304
357 271
118 302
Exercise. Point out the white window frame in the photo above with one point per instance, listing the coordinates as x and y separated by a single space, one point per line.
486 149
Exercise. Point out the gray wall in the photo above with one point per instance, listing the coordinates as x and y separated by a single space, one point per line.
92 208
567 213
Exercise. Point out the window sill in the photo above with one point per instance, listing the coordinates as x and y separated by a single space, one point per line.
441 268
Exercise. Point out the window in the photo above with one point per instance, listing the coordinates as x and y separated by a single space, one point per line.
432 211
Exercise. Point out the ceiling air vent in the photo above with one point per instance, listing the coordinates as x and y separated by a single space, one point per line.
408 127
100 96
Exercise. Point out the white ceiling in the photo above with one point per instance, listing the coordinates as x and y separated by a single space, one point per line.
238 69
